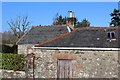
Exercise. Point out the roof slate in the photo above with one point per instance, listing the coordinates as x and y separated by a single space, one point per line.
40 34
86 37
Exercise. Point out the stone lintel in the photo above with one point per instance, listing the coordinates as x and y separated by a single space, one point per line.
64 56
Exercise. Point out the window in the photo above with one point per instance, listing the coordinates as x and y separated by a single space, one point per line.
108 35
111 35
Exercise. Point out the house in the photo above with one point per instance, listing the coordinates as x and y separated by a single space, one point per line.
90 52
39 34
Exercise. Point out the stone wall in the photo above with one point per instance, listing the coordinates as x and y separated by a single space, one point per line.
22 49
85 64
12 74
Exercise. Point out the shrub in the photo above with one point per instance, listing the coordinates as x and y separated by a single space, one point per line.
8 49
5 48
13 61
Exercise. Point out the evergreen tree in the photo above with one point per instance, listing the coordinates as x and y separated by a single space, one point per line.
59 20
83 23
115 20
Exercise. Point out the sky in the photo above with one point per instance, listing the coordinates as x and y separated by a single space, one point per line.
42 13
59 0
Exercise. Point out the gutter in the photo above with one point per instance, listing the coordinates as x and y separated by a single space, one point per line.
78 48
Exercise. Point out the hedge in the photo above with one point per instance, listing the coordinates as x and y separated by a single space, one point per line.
13 62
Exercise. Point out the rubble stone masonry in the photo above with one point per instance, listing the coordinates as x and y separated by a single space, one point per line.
85 63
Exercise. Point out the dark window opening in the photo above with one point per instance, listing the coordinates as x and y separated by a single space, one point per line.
111 35
108 35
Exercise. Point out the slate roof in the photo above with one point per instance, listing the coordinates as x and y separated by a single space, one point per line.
85 37
38 34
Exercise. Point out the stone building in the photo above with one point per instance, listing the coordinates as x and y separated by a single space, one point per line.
66 52
39 34
91 52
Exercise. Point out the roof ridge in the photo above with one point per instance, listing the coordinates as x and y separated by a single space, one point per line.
89 27
97 28
56 38
48 26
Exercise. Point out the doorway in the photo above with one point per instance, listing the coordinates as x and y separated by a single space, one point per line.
64 69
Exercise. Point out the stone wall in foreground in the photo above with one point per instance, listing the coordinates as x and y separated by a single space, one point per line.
85 64
12 74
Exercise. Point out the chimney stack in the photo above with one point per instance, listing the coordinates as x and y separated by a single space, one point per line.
71 20
71 14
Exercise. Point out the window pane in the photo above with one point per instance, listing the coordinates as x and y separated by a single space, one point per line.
113 35
108 35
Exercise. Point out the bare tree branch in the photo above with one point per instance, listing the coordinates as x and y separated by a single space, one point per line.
19 26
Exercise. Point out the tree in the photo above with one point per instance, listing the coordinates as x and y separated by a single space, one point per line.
19 26
8 38
59 20
115 20
55 19
83 23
